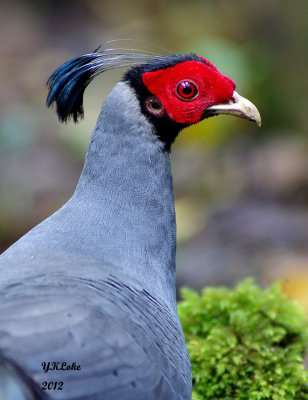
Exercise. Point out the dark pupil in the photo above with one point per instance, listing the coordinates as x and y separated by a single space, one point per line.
186 88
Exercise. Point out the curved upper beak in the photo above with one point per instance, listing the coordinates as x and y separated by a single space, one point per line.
238 106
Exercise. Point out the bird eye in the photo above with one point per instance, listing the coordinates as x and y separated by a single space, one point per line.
187 90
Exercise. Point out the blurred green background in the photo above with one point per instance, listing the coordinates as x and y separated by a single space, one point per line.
241 192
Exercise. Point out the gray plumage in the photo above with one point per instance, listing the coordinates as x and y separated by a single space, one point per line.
95 282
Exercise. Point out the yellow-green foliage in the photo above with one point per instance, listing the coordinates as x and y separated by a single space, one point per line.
245 343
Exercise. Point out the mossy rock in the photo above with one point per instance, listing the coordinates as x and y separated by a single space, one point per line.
245 343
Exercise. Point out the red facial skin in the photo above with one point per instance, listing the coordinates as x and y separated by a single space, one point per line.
212 88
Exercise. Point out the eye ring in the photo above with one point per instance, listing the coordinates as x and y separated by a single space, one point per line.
187 90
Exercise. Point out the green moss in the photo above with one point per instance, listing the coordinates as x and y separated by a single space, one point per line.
245 343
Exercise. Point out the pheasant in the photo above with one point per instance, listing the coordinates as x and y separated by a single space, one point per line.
87 297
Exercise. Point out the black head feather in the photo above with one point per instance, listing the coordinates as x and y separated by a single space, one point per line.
68 83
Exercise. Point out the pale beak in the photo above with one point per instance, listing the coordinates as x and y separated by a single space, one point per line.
238 106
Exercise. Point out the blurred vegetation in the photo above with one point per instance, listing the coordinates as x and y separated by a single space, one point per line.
245 343
241 192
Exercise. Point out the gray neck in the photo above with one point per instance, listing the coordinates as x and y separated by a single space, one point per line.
126 194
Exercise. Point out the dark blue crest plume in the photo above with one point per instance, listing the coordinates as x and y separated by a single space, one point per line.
68 83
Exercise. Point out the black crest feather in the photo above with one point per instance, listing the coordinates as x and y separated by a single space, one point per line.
68 83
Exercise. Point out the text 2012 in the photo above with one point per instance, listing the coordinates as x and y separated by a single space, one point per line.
52 385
